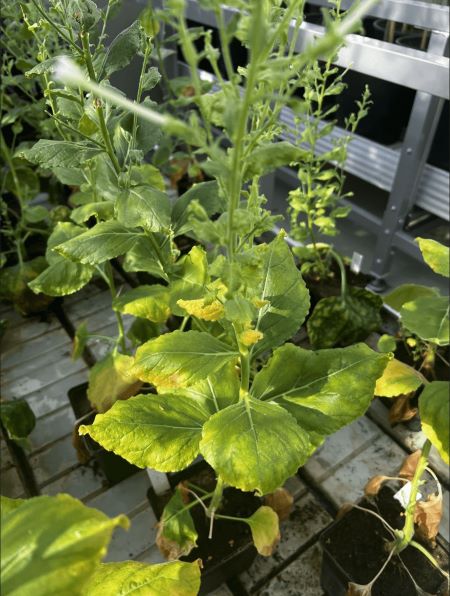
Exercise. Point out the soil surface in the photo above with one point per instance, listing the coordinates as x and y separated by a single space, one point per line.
358 544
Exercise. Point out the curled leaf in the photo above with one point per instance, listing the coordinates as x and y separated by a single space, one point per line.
401 409
409 465
427 517
176 534
372 488
281 501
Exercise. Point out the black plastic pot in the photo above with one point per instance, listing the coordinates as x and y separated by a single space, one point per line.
354 551
114 467
231 551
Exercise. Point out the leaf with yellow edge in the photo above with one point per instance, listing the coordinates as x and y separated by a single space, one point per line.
398 378
146 302
201 309
434 409
264 525
111 379
435 255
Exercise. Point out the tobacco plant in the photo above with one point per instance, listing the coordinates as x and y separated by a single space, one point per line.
55 545
227 388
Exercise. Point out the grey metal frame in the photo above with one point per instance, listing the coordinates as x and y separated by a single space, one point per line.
404 173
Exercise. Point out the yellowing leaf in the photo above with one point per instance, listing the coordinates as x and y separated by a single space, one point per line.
111 379
435 255
147 302
264 525
398 378
281 501
202 310
434 408
250 337
176 535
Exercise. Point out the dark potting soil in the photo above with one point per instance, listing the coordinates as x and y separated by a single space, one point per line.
358 543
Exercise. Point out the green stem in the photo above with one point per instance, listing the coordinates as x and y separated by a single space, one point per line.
56 27
408 529
112 287
245 371
216 498
184 322
99 109
429 556
341 265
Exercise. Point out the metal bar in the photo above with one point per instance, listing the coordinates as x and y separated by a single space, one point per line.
422 125
411 12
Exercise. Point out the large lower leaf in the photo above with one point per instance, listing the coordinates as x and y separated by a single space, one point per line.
181 359
52 545
324 390
104 241
405 293
156 431
428 317
144 206
398 378
436 255
434 409
111 379
254 445
131 577
177 535
283 288
66 154
338 321
147 302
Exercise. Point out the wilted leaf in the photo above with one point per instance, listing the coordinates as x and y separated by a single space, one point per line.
79 341
176 535
401 409
264 525
343 510
372 488
409 465
359 589
281 501
427 516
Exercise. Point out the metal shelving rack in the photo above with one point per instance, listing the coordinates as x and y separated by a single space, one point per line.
403 172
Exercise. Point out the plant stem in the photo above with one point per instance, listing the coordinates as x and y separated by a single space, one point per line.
112 288
245 371
341 265
216 498
99 109
408 529
429 556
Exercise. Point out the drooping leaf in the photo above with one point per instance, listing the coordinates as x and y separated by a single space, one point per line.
143 206
131 577
324 390
428 516
337 321
63 154
374 485
428 317
80 340
254 445
177 535
398 378
436 255
269 157
265 528
206 193
17 417
52 545
180 359
104 241
147 302
409 465
434 408
402 409
283 288
157 431
123 48
405 293
112 379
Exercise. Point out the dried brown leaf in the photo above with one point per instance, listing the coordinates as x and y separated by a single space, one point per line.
427 516
359 589
344 509
281 501
184 492
409 465
401 409
372 488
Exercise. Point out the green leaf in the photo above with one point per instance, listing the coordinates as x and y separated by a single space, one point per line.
104 241
428 318
337 321
434 409
157 431
177 535
46 67
288 298
265 528
152 257
35 214
17 417
405 293
111 379
180 359
14 286
150 79
7 505
142 330
80 340
52 545
57 154
254 445
143 206
63 276
435 255
206 193
398 379
131 577
123 48
100 209
324 390
386 344
147 302
147 174
148 134
269 157
188 277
